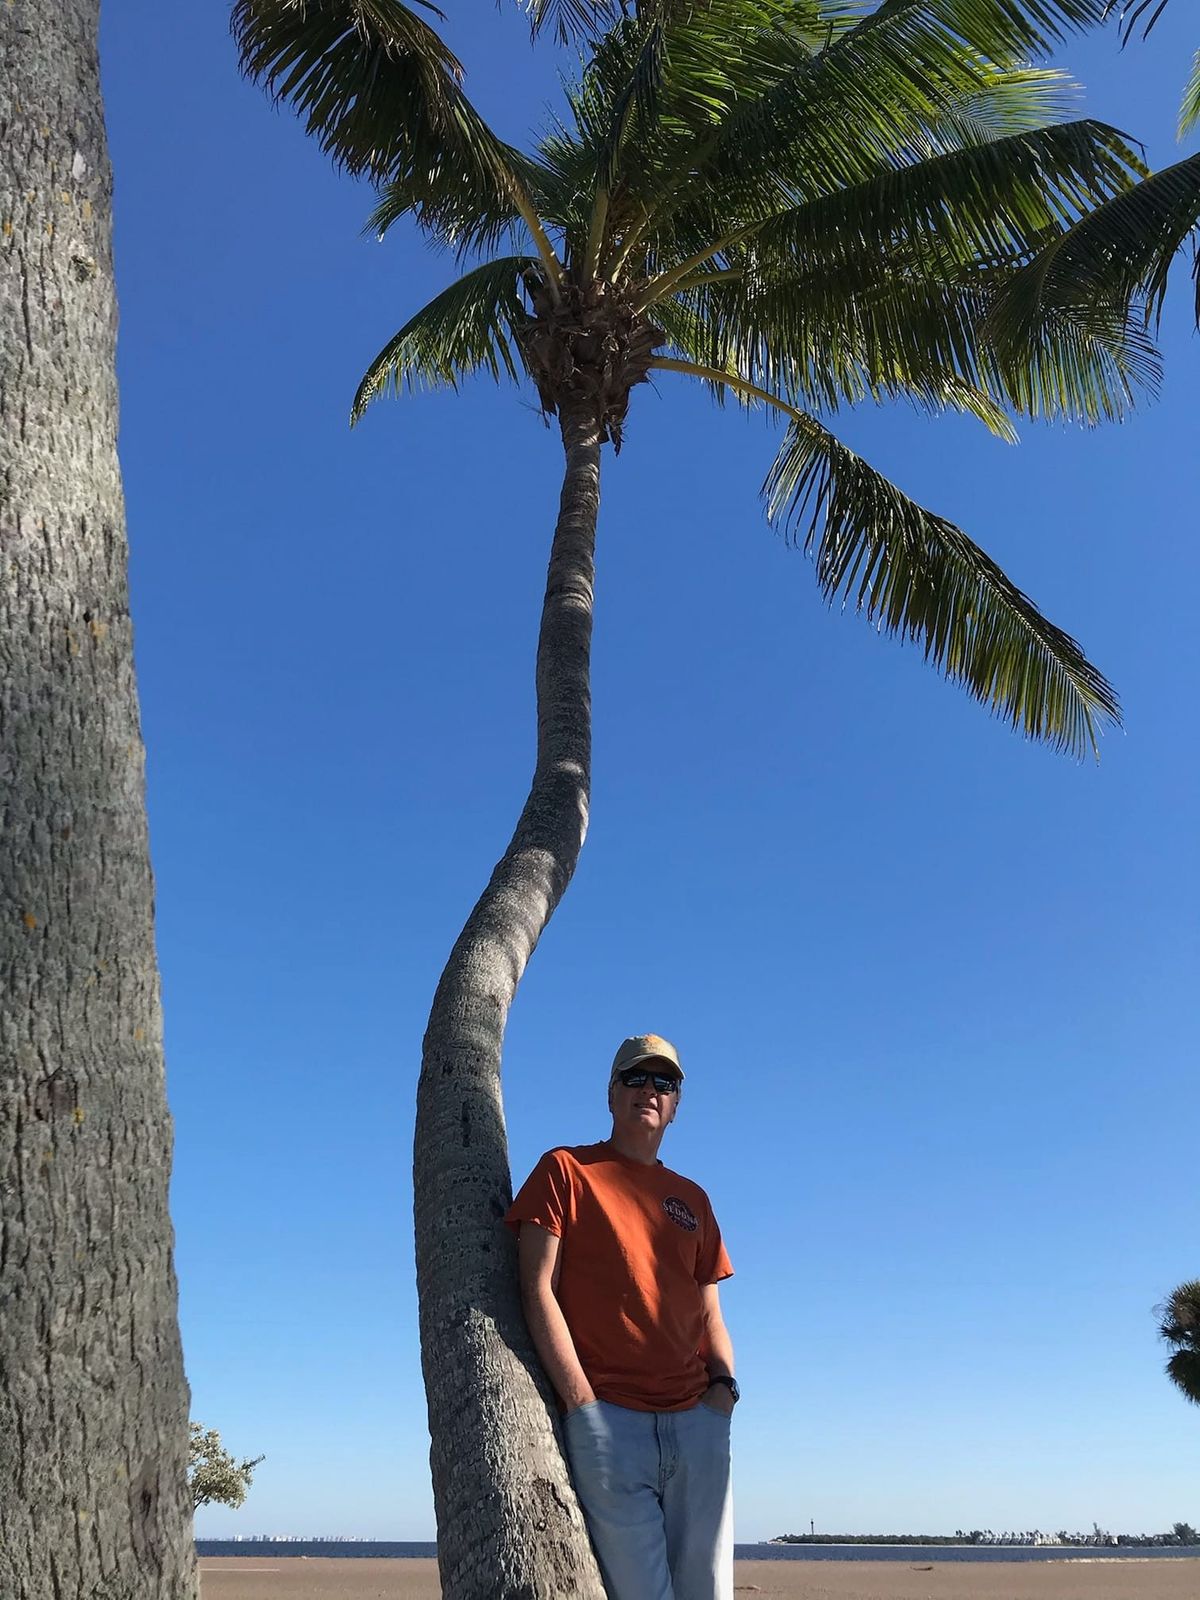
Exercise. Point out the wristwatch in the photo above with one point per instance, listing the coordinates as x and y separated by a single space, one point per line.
730 1384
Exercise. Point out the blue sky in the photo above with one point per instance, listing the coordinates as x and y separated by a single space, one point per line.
934 987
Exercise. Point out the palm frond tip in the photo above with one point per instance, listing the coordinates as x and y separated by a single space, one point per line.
1118 253
471 326
372 80
918 576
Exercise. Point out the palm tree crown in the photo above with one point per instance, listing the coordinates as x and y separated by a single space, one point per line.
800 204
1179 1326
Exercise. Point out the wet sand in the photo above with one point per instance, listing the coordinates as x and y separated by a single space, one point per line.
294 1578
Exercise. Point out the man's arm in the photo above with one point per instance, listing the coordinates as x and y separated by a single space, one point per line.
537 1258
718 1349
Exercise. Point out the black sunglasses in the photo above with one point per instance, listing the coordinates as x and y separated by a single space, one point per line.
636 1077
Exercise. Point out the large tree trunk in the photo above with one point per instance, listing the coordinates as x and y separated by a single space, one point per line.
509 1527
93 1402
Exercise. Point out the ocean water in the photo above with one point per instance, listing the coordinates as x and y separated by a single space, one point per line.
915 1554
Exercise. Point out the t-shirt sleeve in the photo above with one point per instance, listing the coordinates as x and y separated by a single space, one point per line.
712 1261
544 1197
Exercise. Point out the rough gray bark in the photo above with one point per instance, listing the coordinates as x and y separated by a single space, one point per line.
509 1527
93 1404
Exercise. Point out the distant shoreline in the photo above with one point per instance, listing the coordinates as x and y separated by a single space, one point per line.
791 1552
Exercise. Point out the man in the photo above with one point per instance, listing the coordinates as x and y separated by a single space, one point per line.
620 1259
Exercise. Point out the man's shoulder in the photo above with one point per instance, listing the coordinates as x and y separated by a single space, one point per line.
691 1188
573 1155
578 1155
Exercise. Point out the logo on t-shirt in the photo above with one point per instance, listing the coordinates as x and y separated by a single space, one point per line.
680 1213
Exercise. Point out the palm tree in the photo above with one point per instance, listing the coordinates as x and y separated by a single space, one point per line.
800 205
1179 1325
93 1403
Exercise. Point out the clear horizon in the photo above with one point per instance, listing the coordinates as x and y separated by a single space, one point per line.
1077 1538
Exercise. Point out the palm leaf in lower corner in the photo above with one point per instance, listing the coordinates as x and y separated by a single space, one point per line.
918 576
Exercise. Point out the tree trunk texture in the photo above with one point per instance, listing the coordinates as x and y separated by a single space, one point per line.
509 1526
93 1402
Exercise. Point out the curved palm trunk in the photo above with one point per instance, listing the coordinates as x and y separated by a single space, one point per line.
93 1403
509 1527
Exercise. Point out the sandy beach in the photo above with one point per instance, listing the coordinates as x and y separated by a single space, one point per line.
295 1578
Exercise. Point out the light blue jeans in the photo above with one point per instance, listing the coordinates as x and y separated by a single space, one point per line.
656 1489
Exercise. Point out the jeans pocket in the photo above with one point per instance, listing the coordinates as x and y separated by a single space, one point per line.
579 1411
722 1416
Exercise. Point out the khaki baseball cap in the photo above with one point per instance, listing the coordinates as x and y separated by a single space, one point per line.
644 1047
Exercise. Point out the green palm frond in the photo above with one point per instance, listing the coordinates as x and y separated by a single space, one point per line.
918 576
820 122
458 213
1119 253
999 28
947 391
1086 366
998 200
693 337
732 110
1016 100
619 96
695 220
1183 1369
822 19
590 20
990 201
679 70
372 80
1179 1316
1132 12
471 326
817 345
886 289
884 82
380 92
836 342
1189 111
569 19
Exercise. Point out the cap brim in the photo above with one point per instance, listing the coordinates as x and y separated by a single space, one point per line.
673 1067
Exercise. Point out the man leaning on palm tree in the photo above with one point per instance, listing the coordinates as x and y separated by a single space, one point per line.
620 1259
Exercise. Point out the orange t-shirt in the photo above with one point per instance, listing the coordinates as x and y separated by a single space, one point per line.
637 1244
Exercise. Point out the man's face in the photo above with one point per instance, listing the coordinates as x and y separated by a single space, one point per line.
642 1106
